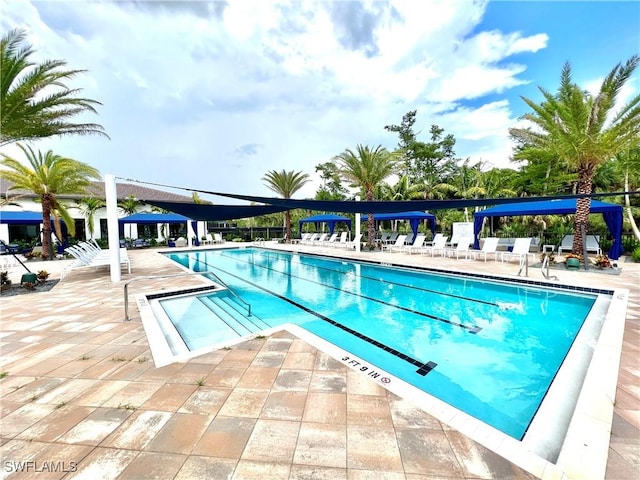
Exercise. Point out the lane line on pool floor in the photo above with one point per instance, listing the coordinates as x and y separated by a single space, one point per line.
453 295
423 368
473 329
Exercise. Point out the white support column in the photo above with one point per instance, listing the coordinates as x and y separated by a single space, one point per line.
112 225
358 222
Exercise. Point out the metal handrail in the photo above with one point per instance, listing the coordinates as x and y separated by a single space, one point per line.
183 274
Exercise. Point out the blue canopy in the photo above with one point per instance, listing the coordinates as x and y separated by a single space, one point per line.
150 218
414 218
21 218
329 219
611 213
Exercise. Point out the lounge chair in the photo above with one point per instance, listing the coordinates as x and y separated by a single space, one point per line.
520 250
593 244
383 237
93 259
353 243
489 247
310 239
217 238
392 238
409 239
331 240
320 240
398 245
439 245
343 240
417 243
462 246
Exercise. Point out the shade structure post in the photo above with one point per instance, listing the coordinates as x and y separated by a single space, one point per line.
357 226
111 197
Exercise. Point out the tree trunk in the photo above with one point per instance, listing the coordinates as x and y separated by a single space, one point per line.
371 224
287 223
46 226
627 204
583 206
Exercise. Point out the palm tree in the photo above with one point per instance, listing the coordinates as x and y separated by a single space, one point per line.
366 168
50 175
88 207
629 163
129 206
286 184
584 130
35 101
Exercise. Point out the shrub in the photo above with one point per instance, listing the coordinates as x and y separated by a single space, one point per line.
42 276
636 255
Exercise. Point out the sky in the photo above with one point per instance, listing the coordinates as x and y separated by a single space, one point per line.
213 95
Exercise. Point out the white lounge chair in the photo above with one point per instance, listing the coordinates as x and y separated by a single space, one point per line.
392 238
461 247
320 240
418 242
489 247
409 239
353 243
309 240
217 238
331 240
439 245
520 250
383 237
343 240
398 245
93 259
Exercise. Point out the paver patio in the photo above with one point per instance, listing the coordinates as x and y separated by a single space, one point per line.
81 396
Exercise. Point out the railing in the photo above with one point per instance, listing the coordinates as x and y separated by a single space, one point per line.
183 274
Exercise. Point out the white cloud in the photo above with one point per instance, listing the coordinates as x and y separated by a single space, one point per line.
185 89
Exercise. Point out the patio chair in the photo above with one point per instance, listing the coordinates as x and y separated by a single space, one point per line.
409 239
439 245
489 247
417 244
354 242
343 240
383 237
392 238
320 240
217 238
461 247
520 250
310 239
399 244
331 240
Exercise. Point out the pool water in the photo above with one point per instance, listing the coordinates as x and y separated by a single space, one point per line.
490 349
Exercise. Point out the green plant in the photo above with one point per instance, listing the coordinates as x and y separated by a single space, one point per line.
636 255
602 261
61 404
3 375
4 278
126 406
200 382
42 276
118 359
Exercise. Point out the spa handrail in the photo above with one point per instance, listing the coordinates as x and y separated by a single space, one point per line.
183 274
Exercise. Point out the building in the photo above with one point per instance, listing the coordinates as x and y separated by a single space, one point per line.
21 215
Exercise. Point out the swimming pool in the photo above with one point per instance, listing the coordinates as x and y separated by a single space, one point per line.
489 348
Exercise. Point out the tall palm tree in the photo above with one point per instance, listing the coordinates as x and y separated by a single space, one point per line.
129 206
584 130
366 168
285 183
50 175
89 206
36 102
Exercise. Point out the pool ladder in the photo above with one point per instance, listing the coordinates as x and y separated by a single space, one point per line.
184 274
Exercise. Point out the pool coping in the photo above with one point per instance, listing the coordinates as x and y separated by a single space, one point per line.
584 451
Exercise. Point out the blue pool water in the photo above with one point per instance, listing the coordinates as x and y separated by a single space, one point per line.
488 348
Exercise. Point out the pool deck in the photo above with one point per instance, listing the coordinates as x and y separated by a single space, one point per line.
81 397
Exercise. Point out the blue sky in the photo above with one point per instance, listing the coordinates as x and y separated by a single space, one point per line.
212 95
